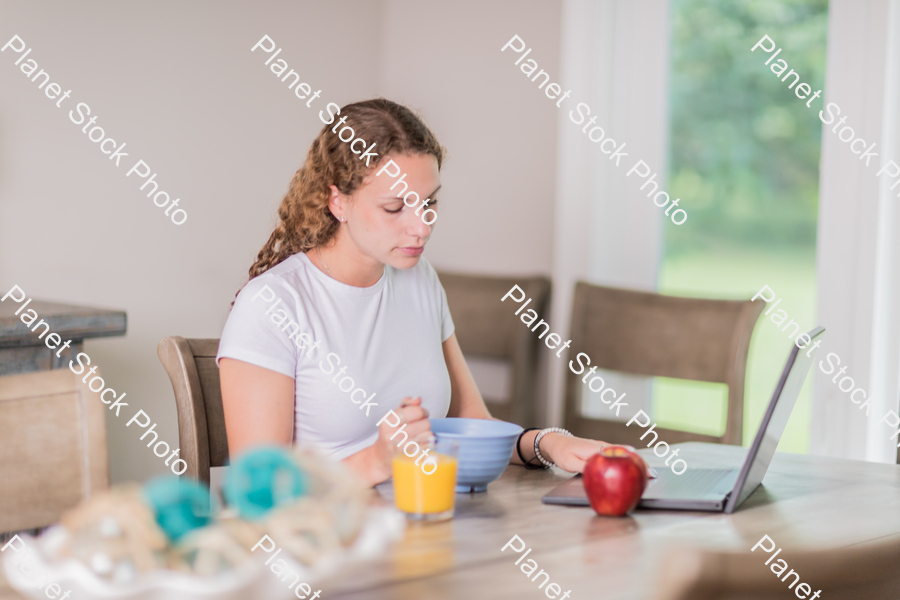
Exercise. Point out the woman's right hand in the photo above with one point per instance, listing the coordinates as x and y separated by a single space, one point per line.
418 428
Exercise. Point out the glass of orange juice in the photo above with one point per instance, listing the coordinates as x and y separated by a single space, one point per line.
426 491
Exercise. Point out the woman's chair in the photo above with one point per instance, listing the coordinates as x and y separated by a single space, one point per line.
53 449
643 333
489 328
867 571
192 369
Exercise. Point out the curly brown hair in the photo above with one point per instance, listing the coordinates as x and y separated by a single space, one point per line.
304 220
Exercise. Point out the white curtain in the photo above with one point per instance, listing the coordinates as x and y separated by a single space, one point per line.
858 270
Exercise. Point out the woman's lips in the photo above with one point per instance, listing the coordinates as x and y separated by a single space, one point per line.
412 250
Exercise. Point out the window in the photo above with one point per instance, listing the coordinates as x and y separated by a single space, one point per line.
744 158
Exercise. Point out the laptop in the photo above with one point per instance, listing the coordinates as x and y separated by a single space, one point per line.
719 490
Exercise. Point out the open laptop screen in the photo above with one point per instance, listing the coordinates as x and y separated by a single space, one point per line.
775 419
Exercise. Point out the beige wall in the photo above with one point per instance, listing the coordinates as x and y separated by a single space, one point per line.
177 83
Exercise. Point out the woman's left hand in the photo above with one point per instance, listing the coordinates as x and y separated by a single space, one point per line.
570 453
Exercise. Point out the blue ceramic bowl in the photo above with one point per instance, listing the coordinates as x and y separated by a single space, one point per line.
485 447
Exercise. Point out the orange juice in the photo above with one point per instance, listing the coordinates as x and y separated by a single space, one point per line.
418 493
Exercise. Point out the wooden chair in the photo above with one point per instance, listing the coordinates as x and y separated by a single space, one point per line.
867 571
53 449
650 334
489 328
191 365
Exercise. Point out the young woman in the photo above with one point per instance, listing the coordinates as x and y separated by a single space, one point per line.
343 320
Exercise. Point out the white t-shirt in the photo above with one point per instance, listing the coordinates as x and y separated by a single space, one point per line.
387 337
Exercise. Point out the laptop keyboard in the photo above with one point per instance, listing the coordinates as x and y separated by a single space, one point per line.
695 483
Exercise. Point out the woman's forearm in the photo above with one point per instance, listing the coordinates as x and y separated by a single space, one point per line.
367 465
526 447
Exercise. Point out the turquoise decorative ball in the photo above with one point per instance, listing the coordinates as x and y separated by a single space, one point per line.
261 479
180 504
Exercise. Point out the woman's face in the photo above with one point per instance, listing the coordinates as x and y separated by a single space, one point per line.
378 222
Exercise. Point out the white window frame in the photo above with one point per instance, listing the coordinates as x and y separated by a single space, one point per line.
615 57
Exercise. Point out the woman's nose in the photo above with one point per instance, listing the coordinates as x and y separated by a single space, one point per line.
417 226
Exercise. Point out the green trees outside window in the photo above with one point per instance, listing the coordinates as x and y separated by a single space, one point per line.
744 159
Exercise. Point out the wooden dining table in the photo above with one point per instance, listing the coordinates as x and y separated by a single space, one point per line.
805 502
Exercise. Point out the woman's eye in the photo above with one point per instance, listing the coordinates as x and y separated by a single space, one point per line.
393 211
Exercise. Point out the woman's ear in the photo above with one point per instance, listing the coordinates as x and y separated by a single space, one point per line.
336 202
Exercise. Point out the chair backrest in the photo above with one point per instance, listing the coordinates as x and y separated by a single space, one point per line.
867 571
489 328
191 365
53 449
643 333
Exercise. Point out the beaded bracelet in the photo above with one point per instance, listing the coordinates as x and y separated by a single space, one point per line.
537 441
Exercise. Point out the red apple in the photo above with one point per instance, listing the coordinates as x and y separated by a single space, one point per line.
614 480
